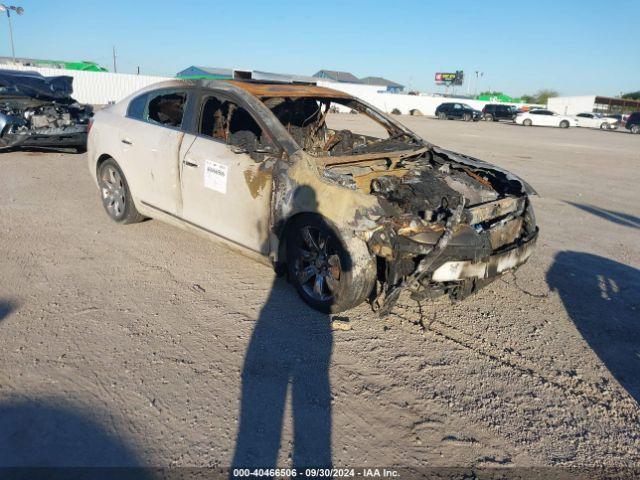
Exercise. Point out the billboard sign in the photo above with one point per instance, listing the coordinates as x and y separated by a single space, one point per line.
443 78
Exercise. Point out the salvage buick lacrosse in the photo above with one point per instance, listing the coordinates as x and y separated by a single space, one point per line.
349 215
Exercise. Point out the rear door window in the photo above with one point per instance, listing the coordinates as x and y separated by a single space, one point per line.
136 107
166 108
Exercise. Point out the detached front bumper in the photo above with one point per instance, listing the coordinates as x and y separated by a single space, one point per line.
490 267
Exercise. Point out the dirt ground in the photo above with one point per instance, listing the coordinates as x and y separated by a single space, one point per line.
141 344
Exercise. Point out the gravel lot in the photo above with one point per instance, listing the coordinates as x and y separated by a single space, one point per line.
128 345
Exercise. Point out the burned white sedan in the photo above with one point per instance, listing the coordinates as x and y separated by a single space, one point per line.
349 215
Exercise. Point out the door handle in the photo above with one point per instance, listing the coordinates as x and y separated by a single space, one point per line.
125 141
189 164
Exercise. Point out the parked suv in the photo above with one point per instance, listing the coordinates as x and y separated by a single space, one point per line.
460 111
493 112
633 122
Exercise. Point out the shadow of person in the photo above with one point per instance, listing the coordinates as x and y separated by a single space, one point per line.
43 433
5 309
602 298
290 348
289 351
618 218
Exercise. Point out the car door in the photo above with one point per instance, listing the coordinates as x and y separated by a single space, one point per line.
226 180
150 138
585 120
457 111
547 118
536 117
582 120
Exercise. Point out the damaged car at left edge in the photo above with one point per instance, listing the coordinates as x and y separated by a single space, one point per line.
38 111
349 214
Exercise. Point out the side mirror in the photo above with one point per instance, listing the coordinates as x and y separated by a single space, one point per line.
268 148
236 149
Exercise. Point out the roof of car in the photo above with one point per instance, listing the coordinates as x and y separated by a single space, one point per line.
287 90
258 89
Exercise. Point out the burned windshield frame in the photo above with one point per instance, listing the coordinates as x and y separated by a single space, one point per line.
305 120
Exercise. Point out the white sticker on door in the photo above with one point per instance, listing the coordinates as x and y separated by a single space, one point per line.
215 176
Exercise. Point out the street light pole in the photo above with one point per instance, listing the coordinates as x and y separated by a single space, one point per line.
13 50
19 11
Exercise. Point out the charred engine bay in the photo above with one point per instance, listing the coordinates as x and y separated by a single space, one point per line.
437 209
34 122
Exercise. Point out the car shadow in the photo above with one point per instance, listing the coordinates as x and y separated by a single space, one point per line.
618 218
73 150
289 353
41 433
601 297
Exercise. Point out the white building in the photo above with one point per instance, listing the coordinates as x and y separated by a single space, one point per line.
591 103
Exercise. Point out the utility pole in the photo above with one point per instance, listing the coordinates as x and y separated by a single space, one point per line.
19 11
480 74
115 66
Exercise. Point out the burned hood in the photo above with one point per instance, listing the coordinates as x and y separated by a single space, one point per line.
33 85
477 163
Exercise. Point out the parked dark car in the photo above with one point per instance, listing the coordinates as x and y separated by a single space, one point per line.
37 111
460 111
633 122
494 112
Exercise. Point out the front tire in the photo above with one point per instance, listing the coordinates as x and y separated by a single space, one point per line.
527 122
488 117
635 129
328 274
115 194
466 117
564 124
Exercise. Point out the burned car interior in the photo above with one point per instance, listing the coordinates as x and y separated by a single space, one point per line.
305 118
167 109
39 111
224 120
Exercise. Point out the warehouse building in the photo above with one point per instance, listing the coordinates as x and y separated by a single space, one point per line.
592 103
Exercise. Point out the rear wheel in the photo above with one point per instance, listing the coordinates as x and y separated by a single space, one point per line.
488 117
323 270
604 126
115 194
466 117
527 122
564 124
442 116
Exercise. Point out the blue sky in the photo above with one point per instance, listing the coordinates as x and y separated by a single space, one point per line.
575 47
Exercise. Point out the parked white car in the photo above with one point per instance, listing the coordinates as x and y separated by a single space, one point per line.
544 118
595 120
